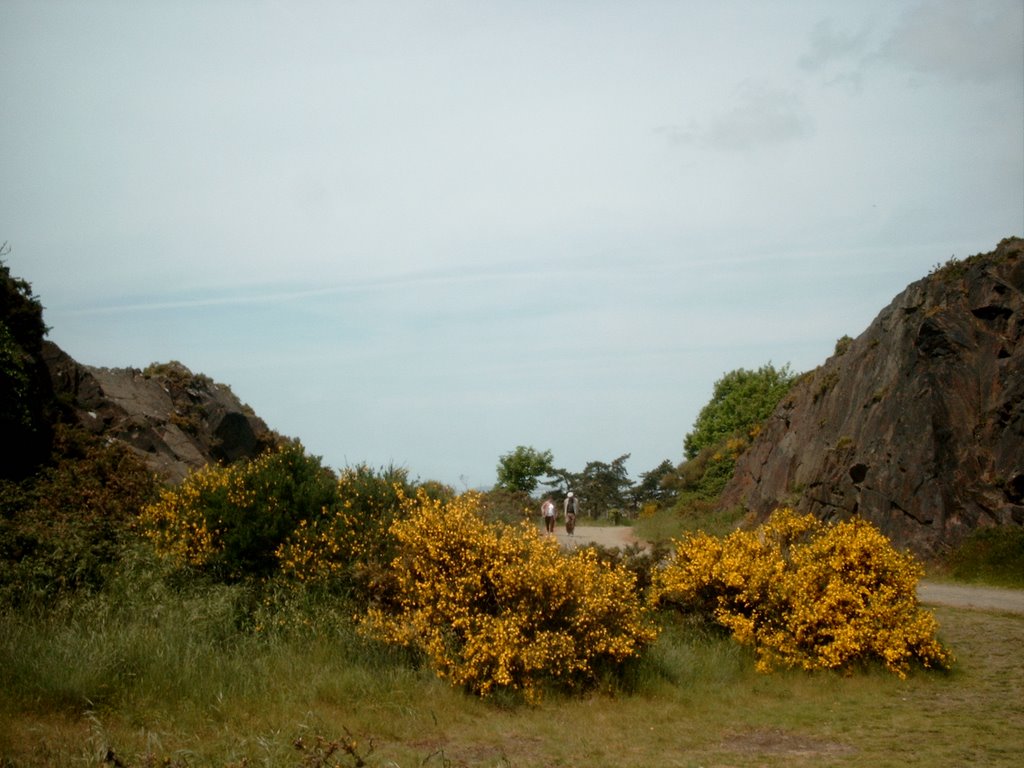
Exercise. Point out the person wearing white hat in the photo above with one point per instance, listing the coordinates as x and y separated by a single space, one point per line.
571 508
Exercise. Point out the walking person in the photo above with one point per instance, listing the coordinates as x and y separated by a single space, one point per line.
571 508
547 511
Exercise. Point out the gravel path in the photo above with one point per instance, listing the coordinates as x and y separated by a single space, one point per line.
929 593
972 597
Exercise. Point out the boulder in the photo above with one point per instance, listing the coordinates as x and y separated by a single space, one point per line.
917 424
175 420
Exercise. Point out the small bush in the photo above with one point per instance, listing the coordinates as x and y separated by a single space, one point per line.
991 555
505 506
641 561
806 594
231 521
497 607
66 527
351 546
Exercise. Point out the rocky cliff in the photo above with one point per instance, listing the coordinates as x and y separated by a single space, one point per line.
175 420
917 424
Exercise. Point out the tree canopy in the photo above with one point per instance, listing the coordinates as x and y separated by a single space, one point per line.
741 399
521 469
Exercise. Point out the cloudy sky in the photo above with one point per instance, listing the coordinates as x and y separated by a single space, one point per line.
424 233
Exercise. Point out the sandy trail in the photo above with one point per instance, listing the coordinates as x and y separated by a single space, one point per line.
929 593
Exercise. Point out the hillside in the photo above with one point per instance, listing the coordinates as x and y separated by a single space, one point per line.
918 423
173 419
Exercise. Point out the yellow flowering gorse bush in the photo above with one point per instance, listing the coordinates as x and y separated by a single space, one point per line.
237 521
806 594
344 541
493 605
176 523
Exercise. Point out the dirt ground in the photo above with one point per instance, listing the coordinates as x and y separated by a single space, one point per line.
605 535
929 593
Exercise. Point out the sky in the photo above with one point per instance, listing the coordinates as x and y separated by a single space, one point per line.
420 234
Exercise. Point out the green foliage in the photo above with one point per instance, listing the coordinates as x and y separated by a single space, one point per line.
642 561
668 523
699 482
602 487
283 514
65 528
178 374
843 345
521 469
991 556
27 405
230 521
499 505
805 594
350 547
20 309
16 416
654 486
741 400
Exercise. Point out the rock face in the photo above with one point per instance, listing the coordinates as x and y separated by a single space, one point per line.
175 420
917 424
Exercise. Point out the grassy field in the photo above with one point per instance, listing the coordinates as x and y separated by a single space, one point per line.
156 673
159 681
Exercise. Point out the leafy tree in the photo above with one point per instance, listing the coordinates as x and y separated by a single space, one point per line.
741 400
27 405
603 486
651 487
521 469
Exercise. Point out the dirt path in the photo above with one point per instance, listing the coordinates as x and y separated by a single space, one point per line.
972 597
929 593
605 535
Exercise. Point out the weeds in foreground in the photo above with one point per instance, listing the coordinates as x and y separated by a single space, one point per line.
695 694
991 556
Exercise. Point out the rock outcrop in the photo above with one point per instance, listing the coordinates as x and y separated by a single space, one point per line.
175 420
917 424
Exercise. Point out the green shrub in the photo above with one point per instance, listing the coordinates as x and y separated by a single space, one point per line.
230 521
641 561
284 515
66 527
741 400
352 546
991 555
501 505
27 405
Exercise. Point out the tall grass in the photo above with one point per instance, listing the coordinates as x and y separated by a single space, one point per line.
153 673
672 522
991 556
